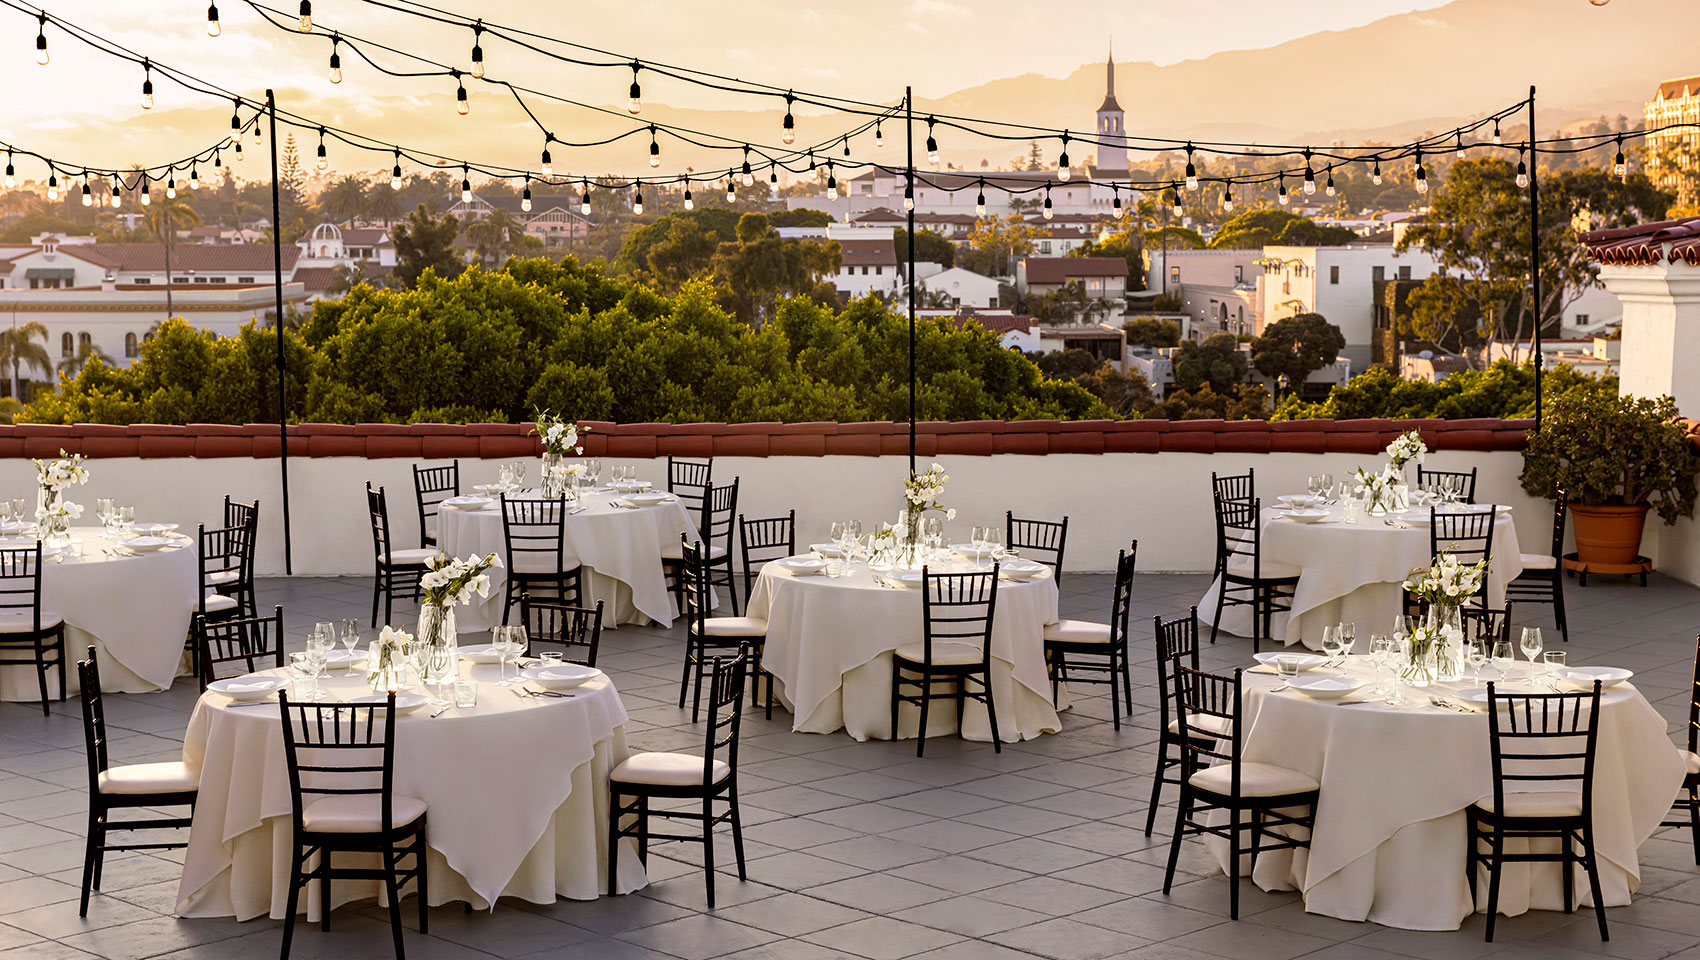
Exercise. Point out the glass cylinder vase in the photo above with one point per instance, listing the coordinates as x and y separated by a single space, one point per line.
1420 668
553 476
1447 623
440 658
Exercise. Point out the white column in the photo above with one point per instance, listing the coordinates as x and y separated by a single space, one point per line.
1661 331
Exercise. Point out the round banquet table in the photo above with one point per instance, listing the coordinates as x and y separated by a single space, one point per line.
133 608
1389 843
829 644
1351 572
516 790
619 547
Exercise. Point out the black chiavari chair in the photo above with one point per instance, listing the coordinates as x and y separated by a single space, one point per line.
1084 651
1466 535
690 480
704 634
1542 579
764 539
1234 486
29 635
957 613
576 630
1688 800
395 572
431 486
534 533
251 643
1045 538
241 585
1464 479
1247 579
717 525
1177 646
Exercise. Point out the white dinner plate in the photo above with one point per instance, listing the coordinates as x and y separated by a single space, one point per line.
803 566
647 499
826 549
563 676
153 529
1582 678
248 689
148 544
1307 661
1298 499
908 578
640 485
405 703
468 502
480 653
1020 568
1306 516
1327 686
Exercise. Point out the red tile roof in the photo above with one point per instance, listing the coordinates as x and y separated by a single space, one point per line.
1644 244
998 323
1676 88
1064 269
868 253
199 257
882 215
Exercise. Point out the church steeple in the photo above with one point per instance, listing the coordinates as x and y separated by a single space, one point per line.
1111 155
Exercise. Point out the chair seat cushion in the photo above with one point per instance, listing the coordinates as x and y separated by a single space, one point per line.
218 603
541 565
677 552
411 557
359 813
1203 723
25 623
734 627
948 653
222 577
667 770
1268 569
1566 803
1256 780
133 778
1693 760
1078 631
1537 561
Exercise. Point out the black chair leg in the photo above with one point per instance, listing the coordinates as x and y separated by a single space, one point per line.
926 699
685 676
1115 696
613 841
1233 865
377 587
991 715
1496 850
295 881
422 888
91 852
394 892
1593 866
896 681
325 889
1181 810
1157 782
708 846
737 832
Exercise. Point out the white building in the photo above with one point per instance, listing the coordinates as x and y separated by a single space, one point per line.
1219 289
554 220
1102 278
964 287
1339 284
868 261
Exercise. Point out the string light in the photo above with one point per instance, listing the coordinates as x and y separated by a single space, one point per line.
634 106
11 174
846 146
213 29
1048 211
395 172
1310 176
238 150
1522 170
749 176
305 24
1460 143
1228 197
465 184
336 60
461 106
117 192
980 199
879 138
637 199
88 200
831 182
1063 173
1282 195
146 198
1375 175
170 187
1116 202
1497 140
1175 202
689 203
194 177
909 194
548 164
41 39
1422 174
257 128
584 204
324 161
525 196
236 122
1328 187
477 50
654 148
731 188
1191 172
147 84
932 144
1619 165
773 180
218 159
52 184
788 128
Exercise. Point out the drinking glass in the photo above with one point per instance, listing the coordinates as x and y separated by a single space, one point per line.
552 658
350 638
932 531
840 534
1379 646
1350 509
1314 485
302 684
1328 486
103 509
5 510
977 538
593 471
1331 643
1502 657
1476 653
519 473
505 477
1347 633
1531 643
1401 627
466 693
853 529
126 519
18 510
1287 666
994 542
1554 661
321 629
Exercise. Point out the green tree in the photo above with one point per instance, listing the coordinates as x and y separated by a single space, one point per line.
995 245
86 354
1125 393
1504 391
1127 244
1066 364
1293 348
164 216
1256 229
760 267
19 351
425 243
1176 238
345 200
500 235
1216 362
929 248
291 187
1152 332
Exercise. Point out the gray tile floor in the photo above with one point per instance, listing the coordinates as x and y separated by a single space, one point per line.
857 849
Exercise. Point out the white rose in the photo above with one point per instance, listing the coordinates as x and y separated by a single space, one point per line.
950 514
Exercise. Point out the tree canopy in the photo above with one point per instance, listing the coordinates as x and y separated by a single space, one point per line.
1256 229
1291 349
1504 389
1216 362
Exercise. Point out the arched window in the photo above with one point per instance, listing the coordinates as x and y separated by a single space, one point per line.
67 345
83 340
131 347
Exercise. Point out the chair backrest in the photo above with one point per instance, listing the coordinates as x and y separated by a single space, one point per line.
764 539
1121 600
20 585
578 630
1234 486
238 514
224 550
377 509
431 486
1560 510
1543 741
1177 646
1466 535
725 696
1238 532
94 718
1045 537
1489 626
719 517
693 585
1694 703
249 641
534 534
1200 695
1466 478
958 608
689 480
339 749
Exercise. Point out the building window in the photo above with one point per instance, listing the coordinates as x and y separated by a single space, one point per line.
879 271
1334 275
1581 319
1405 273
200 279
217 279
1377 274
67 345
1239 273
245 279
142 281
84 340
1175 274
131 348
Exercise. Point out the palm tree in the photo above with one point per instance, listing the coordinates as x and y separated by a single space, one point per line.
86 351
19 349
345 200
164 216
385 205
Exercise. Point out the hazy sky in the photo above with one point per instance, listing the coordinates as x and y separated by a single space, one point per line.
866 50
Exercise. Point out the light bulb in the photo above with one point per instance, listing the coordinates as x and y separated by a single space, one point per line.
1282 195
731 191
1375 175
461 106
258 134
847 146
1175 203
689 203
147 199
41 39
465 186
749 178
932 144
239 150
323 160
831 185
395 172
236 121
1310 182
147 94
477 59
305 25
654 151
788 128
1227 200
909 196
117 193
980 202
11 174
171 188
634 104
1460 146
1422 179
1619 166
52 187
212 20
879 138
637 204
88 200
336 66
1062 160
773 181
1191 171
584 204
1329 187
1522 174
194 178
1048 210
1497 140
1116 207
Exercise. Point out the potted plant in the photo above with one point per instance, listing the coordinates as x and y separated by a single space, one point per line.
1615 458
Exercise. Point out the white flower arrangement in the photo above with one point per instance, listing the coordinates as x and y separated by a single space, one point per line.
559 436
921 491
64 471
1447 581
64 509
1406 448
389 656
448 581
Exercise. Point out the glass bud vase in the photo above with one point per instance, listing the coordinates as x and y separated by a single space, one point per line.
910 549
1420 668
440 660
554 477
1447 623
51 526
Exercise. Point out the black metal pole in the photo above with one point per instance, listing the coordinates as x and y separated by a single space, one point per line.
1535 248
909 147
277 287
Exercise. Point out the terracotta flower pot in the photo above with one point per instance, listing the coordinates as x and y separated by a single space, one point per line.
1608 534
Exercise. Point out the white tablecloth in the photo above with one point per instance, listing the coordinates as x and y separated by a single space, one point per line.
1390 842
516 791
134 608
1351 572
620 549
829 643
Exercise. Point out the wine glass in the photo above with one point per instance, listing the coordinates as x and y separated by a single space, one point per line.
1379 646
503 649
1531 644
103 510
840 534
932 533
1314 485
1401 626
994 542
1502 657
1477 654
1331 643
1347 632
593 471
519 473
350 639
126 519
1328 486
853 530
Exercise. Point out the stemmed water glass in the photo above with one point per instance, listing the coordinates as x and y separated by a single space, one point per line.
103 510
350 639
1502 657
1347 634
1554 661
126 519
1314 485
932 534
593 471
838 535
519 474
18 511
502 647
994 542
1477 654
1328 487
1331 644
1380 646
1530 643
